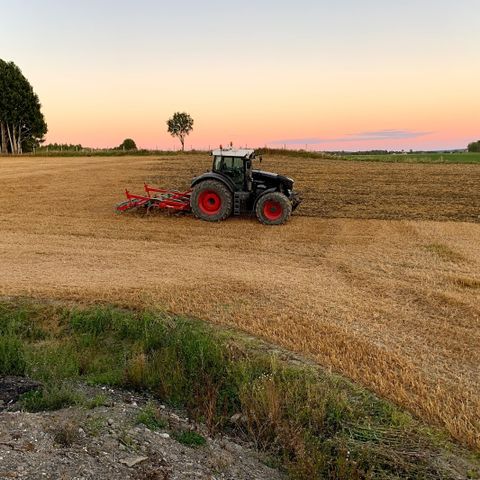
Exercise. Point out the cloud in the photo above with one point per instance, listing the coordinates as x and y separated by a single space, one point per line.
355 137
386 135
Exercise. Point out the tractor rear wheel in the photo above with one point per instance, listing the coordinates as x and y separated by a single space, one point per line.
273 208
211 200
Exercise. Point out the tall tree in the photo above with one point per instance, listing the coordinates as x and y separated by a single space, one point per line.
180 125
22 125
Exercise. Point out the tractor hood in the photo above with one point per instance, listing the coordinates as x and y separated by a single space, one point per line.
272 178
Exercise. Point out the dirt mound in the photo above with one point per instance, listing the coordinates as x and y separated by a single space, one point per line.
108 442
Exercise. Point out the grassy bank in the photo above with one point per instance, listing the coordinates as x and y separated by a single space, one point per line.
311 423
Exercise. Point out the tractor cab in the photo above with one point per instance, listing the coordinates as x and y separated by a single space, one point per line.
235 164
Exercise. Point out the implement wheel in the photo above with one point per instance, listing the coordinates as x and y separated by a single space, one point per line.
273 208
211 200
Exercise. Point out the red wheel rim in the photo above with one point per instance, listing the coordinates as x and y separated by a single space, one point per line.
209 202
272 210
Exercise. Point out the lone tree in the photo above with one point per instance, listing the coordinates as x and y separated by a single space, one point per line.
22 125
180 125
128 144
474 146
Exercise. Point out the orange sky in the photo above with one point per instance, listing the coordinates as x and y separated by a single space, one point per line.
307 75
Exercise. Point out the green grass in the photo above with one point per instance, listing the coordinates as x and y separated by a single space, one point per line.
413 157
51 397
151 418
416 157
190 438
313 423
12 355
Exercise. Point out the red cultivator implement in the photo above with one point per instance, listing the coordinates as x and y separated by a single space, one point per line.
156 198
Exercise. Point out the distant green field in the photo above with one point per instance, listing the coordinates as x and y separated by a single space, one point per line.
417 158
414 157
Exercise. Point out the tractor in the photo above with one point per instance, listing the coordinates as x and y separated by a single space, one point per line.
231 187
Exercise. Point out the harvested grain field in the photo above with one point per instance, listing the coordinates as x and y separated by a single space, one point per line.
393 304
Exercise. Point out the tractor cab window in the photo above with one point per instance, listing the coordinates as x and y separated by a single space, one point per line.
217 163
231 167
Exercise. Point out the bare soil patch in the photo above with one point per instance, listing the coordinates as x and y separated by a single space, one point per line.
347 189
108 442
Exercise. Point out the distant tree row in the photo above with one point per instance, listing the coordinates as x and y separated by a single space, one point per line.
127 145
60 147
474 146
22 125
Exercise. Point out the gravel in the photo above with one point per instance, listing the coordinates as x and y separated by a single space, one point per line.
106 443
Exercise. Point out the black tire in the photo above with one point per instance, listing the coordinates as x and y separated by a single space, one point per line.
273 208
211 200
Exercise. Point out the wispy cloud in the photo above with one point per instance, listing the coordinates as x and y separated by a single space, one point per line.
356 137
386 135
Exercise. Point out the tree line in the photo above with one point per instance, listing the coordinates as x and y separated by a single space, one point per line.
474 146
127 145
22 125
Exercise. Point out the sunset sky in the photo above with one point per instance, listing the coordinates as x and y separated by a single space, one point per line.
316 74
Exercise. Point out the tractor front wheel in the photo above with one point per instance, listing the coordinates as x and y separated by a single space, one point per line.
211 200
273 208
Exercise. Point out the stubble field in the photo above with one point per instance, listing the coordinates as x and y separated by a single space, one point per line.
376 277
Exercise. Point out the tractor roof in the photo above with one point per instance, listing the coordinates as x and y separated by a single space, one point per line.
234 152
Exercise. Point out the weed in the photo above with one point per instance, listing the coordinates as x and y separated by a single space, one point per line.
12 355
150 416
127 440
51 397
190 438
93 322
66 434
99 400
18 320
94 425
